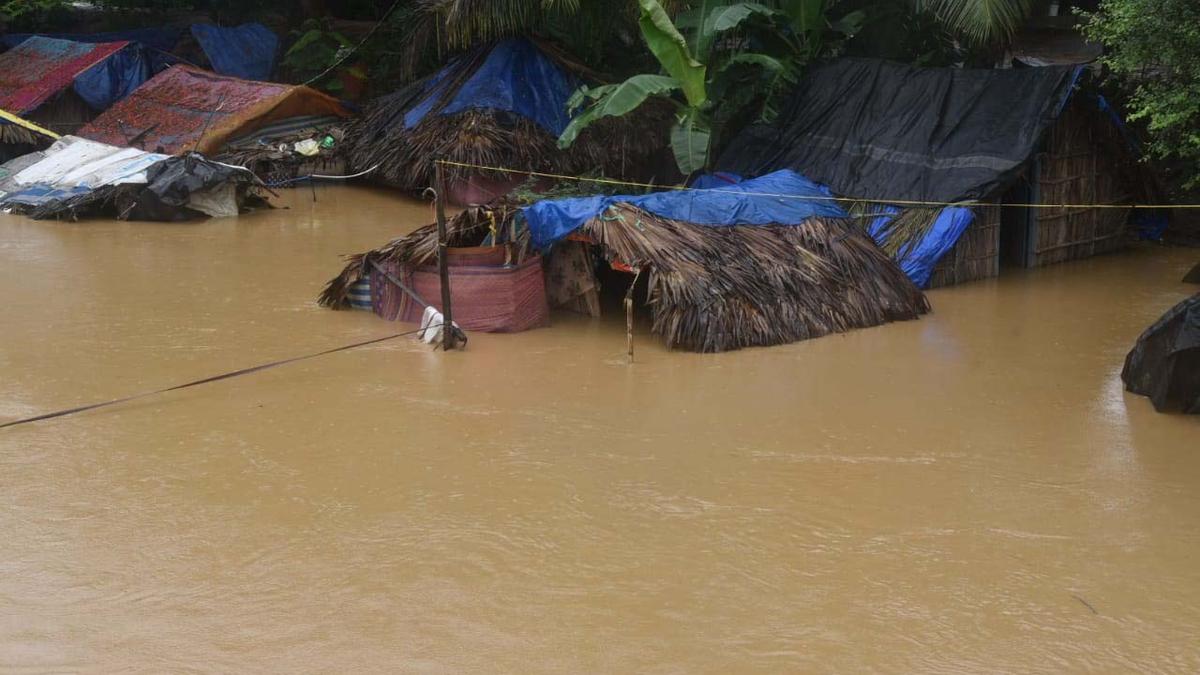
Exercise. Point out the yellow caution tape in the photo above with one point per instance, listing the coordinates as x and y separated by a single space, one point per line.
19 121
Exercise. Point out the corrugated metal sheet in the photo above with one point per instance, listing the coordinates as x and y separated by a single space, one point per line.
40 67
185 108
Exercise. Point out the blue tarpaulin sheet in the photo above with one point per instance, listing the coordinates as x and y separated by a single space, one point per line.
779 198
919 260
163 39
247 51
115 78
516 77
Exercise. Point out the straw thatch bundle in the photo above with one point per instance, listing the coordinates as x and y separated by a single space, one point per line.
714 289
719 288
17 135
623 147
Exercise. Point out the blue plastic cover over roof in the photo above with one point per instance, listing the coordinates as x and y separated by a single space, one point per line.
780 198
919 260
516 77
115 78
246 51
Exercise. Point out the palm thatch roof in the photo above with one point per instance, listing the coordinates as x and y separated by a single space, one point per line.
711 289
487 136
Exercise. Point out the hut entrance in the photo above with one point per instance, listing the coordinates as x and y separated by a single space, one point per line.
1018 226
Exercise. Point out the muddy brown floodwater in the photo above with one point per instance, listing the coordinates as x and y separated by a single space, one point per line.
970 492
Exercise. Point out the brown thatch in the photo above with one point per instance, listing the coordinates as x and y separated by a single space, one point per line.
622 147
716 289
975 256
17 135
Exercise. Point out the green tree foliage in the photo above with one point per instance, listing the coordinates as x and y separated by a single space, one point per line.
23 15
713 74
315 52
1153 50
981 23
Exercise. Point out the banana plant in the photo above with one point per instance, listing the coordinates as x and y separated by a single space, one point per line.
690 72
710 77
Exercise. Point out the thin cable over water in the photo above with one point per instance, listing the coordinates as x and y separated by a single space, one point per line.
892 202
208 380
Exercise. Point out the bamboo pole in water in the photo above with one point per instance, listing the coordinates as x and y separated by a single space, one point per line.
443 262
629 315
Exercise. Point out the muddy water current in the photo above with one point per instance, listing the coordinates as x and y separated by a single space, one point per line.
973 492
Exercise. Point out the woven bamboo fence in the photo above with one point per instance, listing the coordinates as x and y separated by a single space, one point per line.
976 255
1079 167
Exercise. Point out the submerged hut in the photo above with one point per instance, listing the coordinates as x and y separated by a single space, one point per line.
503 105
724 268
899 137
279 131
61 85
76 177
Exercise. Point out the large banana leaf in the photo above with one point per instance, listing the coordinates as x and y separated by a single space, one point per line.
690 138
807 18
671 49
721 19
616 100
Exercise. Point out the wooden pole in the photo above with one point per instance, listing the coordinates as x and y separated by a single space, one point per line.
629 315
443 262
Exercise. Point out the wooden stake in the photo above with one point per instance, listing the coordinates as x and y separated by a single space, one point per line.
629 315
443 262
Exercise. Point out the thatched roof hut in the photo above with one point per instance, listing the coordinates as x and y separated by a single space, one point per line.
767 262
898 134
502 105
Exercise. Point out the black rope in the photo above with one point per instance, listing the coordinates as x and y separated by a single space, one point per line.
207 380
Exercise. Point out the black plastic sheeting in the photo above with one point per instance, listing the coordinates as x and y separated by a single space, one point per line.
1193 277
875 129
172 181
1165 362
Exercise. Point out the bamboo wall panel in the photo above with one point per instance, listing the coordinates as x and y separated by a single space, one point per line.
976 255
1078 168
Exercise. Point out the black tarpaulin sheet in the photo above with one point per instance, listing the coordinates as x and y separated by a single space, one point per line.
174 183
875 129
1165 362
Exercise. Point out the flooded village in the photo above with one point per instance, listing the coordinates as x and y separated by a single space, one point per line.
610 337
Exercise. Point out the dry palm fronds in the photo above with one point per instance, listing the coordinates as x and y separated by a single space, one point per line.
714 288
17 135
720 288
907 229
616 146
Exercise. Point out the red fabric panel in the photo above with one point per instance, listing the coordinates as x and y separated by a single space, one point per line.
181 103
38 68
486 298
